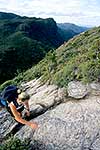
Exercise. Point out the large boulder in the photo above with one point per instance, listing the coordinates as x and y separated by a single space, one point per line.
43 94
72 125
77 90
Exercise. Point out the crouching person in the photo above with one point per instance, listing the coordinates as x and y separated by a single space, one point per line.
17 102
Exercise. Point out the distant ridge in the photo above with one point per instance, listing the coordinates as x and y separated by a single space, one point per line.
68 30
4 15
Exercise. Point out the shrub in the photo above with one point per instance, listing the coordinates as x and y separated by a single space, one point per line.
15 144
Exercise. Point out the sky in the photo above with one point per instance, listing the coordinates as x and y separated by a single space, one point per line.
79 12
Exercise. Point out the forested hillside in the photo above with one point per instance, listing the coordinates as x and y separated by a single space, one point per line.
24 42
77 59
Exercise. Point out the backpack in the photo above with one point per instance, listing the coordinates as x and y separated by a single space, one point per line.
3 102
8 94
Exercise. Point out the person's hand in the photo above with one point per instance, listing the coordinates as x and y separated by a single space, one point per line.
27 113
34 125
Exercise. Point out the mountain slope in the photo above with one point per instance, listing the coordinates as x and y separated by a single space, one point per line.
77 59
24 41
4 15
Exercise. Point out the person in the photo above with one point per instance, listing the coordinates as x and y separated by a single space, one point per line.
17 101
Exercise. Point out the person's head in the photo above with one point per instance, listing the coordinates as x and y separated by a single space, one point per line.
23 96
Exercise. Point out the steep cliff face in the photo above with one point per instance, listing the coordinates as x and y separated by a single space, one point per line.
27 40
39 29
64 122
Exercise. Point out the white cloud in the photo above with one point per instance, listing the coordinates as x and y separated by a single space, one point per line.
75 11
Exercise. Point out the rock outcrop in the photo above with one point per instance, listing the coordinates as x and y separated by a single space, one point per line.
64 123
71 125
77 90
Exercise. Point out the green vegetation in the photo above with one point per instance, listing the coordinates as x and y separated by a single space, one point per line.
77 59
15 144
24 42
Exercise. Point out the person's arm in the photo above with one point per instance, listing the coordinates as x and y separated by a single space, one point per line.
26 104
19 118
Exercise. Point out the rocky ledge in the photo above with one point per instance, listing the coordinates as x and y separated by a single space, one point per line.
68 118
